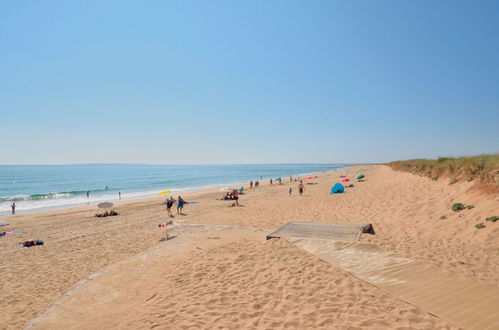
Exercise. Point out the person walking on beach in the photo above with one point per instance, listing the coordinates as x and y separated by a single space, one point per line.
290 191
180 205
169 204
270 181
119 195
13 206
301 187
251 184
88 193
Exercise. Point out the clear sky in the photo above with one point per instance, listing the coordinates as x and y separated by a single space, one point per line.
247 81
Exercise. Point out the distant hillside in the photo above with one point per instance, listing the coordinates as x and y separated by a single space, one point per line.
482 168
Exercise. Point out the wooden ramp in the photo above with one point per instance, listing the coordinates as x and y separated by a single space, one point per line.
464 302
336 231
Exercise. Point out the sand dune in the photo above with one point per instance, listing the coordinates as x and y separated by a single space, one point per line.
253 282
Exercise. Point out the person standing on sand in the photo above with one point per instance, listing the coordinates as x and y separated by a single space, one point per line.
251 184
235 196
169 204
180 205
301 188
270 181
13 206
290 191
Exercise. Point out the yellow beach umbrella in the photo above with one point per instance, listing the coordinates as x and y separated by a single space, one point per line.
165 192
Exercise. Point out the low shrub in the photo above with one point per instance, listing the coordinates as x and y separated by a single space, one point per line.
442 160
493 218
469 207
443 217
454 180
457 207
480 225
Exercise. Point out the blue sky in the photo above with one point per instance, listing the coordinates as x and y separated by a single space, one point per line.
247 81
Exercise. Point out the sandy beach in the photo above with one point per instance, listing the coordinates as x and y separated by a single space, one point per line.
231 277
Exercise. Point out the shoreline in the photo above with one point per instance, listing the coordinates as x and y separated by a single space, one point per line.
152 194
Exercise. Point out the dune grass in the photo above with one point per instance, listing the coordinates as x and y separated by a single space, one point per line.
483 168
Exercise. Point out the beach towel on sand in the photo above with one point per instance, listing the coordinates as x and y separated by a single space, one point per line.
2 233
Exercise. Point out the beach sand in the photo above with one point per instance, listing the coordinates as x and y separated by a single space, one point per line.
240 280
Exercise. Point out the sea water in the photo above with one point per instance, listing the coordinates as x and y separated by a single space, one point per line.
39 187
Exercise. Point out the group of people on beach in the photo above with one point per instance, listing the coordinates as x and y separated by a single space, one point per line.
232 196
301 187
180 205
106 214
256 184
271 181
31 242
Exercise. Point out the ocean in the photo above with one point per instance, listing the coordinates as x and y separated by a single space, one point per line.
41 187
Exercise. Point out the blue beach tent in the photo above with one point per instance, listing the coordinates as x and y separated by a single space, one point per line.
337 188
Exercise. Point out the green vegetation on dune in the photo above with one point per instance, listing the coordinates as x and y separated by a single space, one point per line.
480 225
493 218
483 168
456 207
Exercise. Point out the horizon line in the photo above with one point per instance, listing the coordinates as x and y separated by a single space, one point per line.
194 164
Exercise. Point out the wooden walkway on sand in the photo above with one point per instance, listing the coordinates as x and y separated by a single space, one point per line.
337 231
464 302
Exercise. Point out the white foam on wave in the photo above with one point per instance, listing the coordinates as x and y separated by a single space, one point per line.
17 198
26 204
